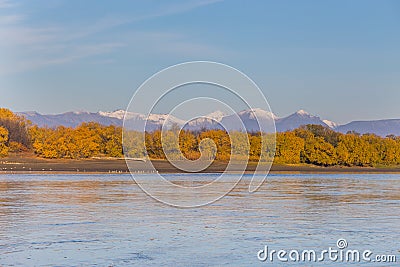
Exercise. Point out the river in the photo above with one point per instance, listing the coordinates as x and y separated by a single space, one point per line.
106 220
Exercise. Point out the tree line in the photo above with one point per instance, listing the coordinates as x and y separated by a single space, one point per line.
310 144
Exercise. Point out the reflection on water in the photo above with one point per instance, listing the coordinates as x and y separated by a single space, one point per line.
106 220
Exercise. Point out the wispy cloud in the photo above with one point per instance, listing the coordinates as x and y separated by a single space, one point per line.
110 22
35 46
10 19
170 43
7 4
74 53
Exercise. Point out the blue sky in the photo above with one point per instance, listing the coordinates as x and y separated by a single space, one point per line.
338 59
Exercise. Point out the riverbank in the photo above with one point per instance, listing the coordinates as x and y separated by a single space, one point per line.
29 163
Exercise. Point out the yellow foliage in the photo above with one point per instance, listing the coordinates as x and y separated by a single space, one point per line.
311 144
3 142
288 148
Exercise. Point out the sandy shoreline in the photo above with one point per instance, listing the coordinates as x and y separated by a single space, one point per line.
23 164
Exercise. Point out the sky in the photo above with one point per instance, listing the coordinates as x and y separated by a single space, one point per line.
338 59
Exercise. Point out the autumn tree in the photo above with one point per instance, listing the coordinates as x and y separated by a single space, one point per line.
353 150
188 145
3 142
134 144
17 127
87 140
311 144
221 140
255 150
111 141
153 144
268 147
240 145
326 133
288 148
319 152
316 149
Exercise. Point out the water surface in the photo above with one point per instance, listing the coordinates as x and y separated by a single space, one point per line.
106 220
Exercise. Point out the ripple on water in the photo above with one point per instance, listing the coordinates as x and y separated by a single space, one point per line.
106 220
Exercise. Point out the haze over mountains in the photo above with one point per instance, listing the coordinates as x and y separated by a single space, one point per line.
213 121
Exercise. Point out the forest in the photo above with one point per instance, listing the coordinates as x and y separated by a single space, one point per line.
309 144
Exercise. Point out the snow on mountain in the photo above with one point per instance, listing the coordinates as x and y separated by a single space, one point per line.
162 118
82 112
119 114
136 121
296 120
209 121
249 121
216 115
302 112
331 124
258 113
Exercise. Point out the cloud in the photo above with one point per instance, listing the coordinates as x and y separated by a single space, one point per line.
110 22
29 46
7 4
57 55
10 19
171 43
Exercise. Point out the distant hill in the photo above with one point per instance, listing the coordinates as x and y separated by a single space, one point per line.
378 127
136 121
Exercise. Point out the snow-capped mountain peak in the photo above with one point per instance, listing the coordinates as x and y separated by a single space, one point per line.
162 118
80 112
136 121
331 124
259 113
119 114
216 115
302 112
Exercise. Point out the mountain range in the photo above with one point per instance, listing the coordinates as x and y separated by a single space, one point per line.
214 120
